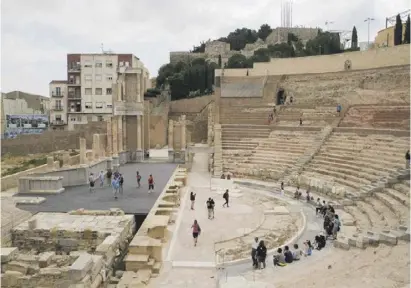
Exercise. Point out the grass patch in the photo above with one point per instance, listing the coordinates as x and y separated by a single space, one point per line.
25 165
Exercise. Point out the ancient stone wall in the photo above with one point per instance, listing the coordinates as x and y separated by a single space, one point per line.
192 105
370 59
50 141
184 56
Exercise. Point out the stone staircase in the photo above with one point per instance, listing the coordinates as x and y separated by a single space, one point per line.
351 161
256 114
311 116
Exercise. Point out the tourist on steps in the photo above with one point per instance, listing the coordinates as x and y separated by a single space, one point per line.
308 248
301 121
288 256
336 227
196 231
318 207
192 199
254 247
339 108
138 176
261 254
226 196
150 184
297 253
407 160
210 208
91 181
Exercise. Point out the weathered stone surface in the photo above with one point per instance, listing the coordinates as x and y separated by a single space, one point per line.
342 243
7 254
17 266
45 259
388 238
81 266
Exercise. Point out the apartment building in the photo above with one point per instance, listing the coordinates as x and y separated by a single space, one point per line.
58 109
87 92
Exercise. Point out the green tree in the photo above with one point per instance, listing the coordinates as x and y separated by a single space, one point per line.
237 61
264 31
199 49
239 38
398 31
164 72
407 31
282 50
354 38
261 55
325 43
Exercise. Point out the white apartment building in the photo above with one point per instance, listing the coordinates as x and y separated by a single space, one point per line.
58 105
89 83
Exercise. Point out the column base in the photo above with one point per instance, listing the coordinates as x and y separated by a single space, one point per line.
136 156
124 157
179 156
171 156
116 160
109 164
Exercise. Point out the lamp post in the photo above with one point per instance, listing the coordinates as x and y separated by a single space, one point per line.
369 20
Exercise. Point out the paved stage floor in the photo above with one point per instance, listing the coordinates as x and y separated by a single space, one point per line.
134 200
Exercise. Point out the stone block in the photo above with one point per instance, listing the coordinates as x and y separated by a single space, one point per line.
45 259
7 254
97 266
69 243
17 266
342 243
54 272
81 266
388 238
10 279
372 238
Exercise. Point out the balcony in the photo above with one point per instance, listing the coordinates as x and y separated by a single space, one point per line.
57 94
74 68
58 108
57 123
72 82
74 96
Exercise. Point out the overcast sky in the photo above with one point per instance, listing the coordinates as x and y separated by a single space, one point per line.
36 35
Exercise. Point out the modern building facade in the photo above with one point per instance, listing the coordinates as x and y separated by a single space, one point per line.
385 37
58 109
88 90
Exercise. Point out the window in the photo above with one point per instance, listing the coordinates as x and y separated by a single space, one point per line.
89 105
100 118
108 91
109 64
99 64
88 77
88 64
127 64
99 105
58 118
109 77
73 119
99 91
109 106
58 103
88 91
98 77
58 91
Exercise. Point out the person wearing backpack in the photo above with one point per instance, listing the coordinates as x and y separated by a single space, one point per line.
336 227
109 175
196 231
226 197
288 255
261 254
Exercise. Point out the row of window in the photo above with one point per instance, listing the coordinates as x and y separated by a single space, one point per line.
98 77
99 64
99 105
97 91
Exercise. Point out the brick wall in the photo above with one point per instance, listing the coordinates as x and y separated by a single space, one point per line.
50 141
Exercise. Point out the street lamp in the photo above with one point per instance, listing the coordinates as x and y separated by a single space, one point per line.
369 20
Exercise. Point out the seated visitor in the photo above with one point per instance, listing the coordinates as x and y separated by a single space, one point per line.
297 193
308 248
307 196
318 206
320 242
297 253
222 176
288 255
228 177
278 258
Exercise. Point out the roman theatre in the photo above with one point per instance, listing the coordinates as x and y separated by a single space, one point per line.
277 122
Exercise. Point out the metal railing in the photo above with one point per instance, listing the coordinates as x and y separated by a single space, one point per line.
57 94
58 108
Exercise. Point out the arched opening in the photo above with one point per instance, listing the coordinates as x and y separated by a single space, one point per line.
281 96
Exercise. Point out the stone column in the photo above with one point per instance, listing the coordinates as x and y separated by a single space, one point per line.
109 137
96 146
50 163
170 141
120 133
114 126
66 159
141 86
124 133
138 88
83 151
139 152
218 152
183 138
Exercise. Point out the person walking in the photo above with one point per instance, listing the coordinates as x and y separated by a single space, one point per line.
226 197
91 181
210 208
192 199
407 160
254 247
196 231
138 176
109 175
150 184
121 181
261 254
101 177
336 227
115 185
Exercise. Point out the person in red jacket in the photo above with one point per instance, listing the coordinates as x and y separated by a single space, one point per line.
150 184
